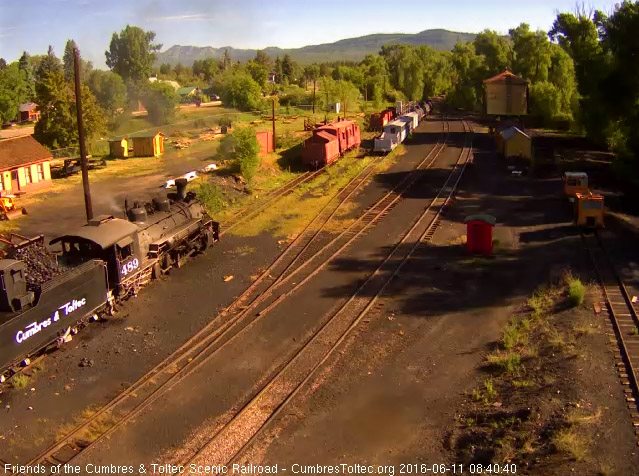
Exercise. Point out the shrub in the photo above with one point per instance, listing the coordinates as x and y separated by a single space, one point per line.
212 197
576 292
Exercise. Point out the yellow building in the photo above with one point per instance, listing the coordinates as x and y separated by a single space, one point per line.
25 165
148 145
513 142
506 95
119 147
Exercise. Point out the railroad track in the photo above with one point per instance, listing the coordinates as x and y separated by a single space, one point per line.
196 351
623 317
235 435
250 211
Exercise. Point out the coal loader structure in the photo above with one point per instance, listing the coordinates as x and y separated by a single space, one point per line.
43 295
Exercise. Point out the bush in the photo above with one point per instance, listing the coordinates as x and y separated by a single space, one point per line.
247 151
576 292
211 195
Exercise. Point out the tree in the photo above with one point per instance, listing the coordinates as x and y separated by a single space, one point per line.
238 89
206 68
262 58
468 75
68 59
277 68
165 68
50 63
531 53
3 64
13 91
160 101
132 53
496 50
27 74
57 126
109 90
226 60
288 67
246 152
258 71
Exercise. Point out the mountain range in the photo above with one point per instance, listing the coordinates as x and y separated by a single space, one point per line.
351 49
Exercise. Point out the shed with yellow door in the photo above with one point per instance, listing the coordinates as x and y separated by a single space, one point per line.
119 148
148 145
25 165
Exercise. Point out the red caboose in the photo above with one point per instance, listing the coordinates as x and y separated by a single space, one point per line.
329 142
320 149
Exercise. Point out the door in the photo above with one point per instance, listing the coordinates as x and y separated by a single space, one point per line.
14 181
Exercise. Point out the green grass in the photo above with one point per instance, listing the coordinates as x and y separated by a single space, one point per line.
486 394
568 441
506 362
20 380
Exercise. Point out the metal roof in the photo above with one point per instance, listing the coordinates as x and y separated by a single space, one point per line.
105 234
576 174
27 106
511 131
506 77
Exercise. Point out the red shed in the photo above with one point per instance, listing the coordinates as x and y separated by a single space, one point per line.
320 149
479 233
265 139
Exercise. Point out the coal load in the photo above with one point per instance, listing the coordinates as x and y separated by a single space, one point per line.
41 265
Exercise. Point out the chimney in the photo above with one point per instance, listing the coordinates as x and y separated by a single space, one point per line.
180 184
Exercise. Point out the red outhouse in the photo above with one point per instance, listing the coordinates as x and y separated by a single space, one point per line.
265 139
479 233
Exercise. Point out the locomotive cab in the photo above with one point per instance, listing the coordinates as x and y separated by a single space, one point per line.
112 240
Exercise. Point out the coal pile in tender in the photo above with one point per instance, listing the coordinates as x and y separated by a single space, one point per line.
41 265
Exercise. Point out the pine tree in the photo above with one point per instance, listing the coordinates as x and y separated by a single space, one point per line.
68 59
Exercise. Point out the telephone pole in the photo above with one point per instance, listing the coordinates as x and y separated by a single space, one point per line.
274 143
83 150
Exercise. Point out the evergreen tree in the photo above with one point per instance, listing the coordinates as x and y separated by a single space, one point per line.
68 59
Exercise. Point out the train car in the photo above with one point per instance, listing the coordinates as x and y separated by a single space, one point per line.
319 150
379 119
394 134
40 301
412 119
100 265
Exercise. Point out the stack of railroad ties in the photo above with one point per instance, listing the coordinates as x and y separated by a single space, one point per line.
394 132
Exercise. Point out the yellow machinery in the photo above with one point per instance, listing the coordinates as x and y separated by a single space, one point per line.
8 208
589 210
575 182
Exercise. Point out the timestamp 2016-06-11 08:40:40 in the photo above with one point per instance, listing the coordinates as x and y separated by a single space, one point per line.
474 468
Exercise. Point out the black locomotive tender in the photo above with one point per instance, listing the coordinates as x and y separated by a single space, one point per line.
44 296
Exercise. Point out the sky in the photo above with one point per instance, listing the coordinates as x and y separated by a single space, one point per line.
32 25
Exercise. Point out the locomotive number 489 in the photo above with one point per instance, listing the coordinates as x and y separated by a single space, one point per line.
130 266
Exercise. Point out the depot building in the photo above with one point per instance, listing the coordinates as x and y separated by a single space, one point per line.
25 165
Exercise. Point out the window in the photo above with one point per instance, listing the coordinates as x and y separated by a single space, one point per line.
40 172
125 252
27 174
1 181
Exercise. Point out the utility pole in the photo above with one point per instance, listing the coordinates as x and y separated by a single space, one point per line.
274 143
344 106
314 81
83 150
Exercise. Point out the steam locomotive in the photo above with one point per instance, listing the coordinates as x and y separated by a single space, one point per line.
43 295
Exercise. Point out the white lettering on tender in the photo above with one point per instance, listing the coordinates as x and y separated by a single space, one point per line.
35 327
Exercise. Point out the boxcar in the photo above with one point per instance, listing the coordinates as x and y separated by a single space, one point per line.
320 149
394 134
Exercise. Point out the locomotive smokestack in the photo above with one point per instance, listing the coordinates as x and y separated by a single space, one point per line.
180 184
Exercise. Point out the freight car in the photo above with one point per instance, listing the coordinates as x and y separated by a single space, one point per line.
393 134
330 141
379 119
43 295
